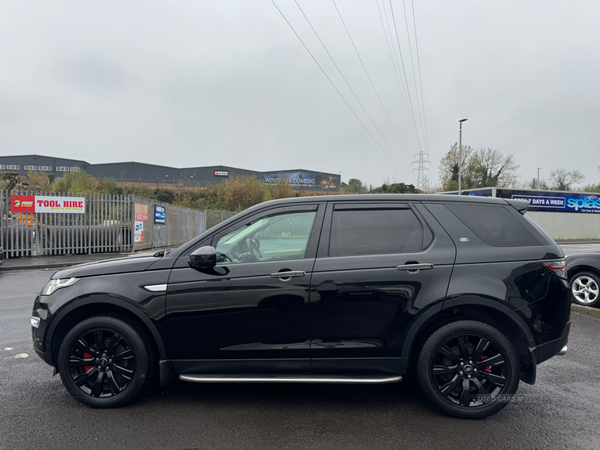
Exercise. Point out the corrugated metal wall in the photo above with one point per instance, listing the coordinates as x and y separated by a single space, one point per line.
181 225
568 226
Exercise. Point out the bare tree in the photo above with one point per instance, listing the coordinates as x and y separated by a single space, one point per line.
562 179
489 167
484 167
534 184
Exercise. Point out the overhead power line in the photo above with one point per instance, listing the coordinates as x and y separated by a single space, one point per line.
368 76
395 64
347 83
412 63
334 86
420 78
404 71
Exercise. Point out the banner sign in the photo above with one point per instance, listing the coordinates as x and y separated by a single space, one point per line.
139 231
546 202
47 204
159 214
305 180
141 212
296 179
555 201
568 202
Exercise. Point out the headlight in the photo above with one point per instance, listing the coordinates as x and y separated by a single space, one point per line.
53 285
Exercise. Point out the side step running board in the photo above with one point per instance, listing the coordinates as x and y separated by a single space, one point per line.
360 379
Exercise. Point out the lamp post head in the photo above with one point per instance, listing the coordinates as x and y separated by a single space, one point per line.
463 120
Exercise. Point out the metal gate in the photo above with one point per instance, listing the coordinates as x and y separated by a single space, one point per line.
105 227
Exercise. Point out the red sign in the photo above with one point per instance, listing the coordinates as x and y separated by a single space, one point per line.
46 204
22 203
141 212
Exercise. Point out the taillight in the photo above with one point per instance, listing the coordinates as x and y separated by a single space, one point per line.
558 268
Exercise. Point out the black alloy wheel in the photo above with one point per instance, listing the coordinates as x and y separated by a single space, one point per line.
464 366
105 361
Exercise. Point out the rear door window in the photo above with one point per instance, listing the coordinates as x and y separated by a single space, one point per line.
375 232
494 225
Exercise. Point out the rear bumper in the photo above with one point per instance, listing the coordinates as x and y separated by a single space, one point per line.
549 349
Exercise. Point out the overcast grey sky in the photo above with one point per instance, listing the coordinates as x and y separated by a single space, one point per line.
195 83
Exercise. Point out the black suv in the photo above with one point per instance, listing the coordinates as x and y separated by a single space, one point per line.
466 292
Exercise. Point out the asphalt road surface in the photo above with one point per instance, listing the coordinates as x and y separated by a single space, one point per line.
36 412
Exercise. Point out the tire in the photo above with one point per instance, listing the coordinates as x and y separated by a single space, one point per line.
105 361
454 350
585 289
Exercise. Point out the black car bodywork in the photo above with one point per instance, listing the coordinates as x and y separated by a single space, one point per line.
345 307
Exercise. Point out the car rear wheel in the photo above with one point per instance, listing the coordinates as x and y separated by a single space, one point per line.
585 289
104 361
466 368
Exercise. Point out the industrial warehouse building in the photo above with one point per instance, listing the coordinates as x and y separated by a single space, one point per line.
153 175
564 215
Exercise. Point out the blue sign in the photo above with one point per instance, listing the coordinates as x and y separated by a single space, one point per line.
547 202
159 214
550 201
555 201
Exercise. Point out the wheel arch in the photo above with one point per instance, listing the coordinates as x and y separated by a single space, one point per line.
580 269
484 310
92 306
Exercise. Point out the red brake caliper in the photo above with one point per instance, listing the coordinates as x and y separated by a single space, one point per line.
87 355
488 368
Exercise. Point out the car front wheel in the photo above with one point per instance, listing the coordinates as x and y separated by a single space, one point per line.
467 368
585 289
104 361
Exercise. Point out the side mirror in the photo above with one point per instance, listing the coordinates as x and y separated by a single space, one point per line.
203 258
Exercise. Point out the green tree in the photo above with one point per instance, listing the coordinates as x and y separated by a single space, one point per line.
239 193
354 186
139 190
164 195
109 186
38 181
448 168
75 182
282 189
8 180
397 188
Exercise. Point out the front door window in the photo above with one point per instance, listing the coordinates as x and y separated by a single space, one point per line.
271 238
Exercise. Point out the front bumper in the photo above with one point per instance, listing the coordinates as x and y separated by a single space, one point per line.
47 357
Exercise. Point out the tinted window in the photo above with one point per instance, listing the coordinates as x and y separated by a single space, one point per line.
278 237
494 225
375 232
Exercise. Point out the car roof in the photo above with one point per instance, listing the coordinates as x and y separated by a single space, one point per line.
386 197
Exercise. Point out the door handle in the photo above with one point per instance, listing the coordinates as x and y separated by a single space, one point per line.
414 268
288 274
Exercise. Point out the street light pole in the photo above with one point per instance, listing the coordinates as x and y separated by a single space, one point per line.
538 180
460 156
